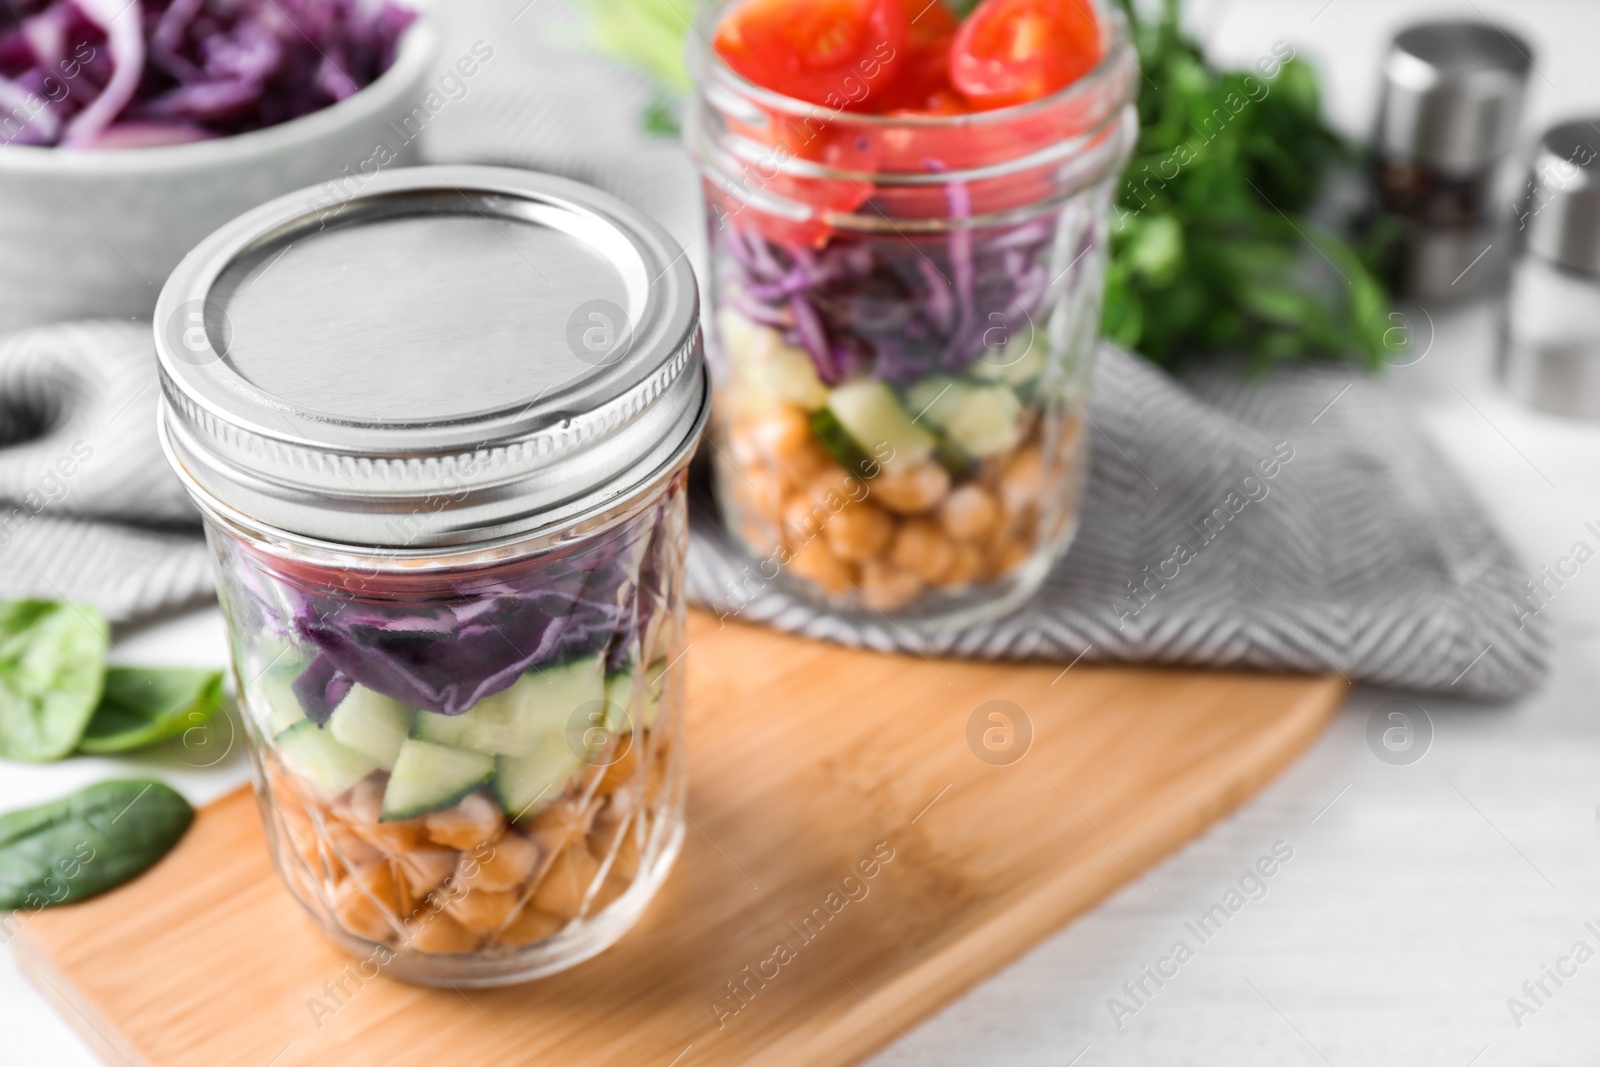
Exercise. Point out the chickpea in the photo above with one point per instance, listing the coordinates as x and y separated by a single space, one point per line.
968 566
860 532
761 493
887 587
803 520
565 885
618 772
784 440
761 539
834 487
307 845
482 911
781 429
362 804
616 818
435 931
502 867
1022 481
425 869
970 513
351 849
911 490
811 461
814 561
922 548
366 904
529 925
395 837
559 823
475 820
1007 554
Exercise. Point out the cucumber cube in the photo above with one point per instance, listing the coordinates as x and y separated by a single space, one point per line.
372 724
272 701
428 777
988 422
623 687
767 369
510 722
318 756
936 399
841 446
1016 363
874 417
531 782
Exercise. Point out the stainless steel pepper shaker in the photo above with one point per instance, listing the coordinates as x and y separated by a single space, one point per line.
1550 353
1452 98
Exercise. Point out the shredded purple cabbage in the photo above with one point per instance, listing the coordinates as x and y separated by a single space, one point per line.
445 644
898 308
142 73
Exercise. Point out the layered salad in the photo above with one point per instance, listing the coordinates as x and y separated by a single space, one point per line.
469 760
899 358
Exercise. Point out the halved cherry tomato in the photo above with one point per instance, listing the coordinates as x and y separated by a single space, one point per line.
920 74
1012 51
826 52
788 138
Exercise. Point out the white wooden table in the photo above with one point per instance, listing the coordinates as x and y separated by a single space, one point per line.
1419 898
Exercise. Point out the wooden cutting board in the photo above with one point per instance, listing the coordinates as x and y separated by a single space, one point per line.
806 761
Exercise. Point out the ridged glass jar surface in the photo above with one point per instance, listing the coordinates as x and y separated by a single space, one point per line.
905 310
521 832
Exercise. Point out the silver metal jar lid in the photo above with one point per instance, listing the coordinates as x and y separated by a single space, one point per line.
438 356
1562 213
1452 95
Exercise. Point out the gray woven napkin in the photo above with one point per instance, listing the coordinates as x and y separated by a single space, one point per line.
1302 522
1363 553
89 509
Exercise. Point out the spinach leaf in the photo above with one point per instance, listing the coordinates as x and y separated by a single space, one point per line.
87 842
144 705
52 664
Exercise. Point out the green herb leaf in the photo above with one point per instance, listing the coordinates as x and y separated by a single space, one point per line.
645 34
52 662
1156 251
88 842
660 118
145 705
1212 250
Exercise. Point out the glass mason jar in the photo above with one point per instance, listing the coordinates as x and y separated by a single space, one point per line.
906 307
439 432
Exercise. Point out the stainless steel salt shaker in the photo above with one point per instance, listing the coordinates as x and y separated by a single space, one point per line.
1550 353
1451 101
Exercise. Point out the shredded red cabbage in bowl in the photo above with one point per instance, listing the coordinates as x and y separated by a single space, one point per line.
142 73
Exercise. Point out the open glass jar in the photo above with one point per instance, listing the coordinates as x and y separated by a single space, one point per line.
439 432
906 308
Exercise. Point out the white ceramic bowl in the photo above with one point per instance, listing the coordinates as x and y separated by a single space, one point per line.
94 234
